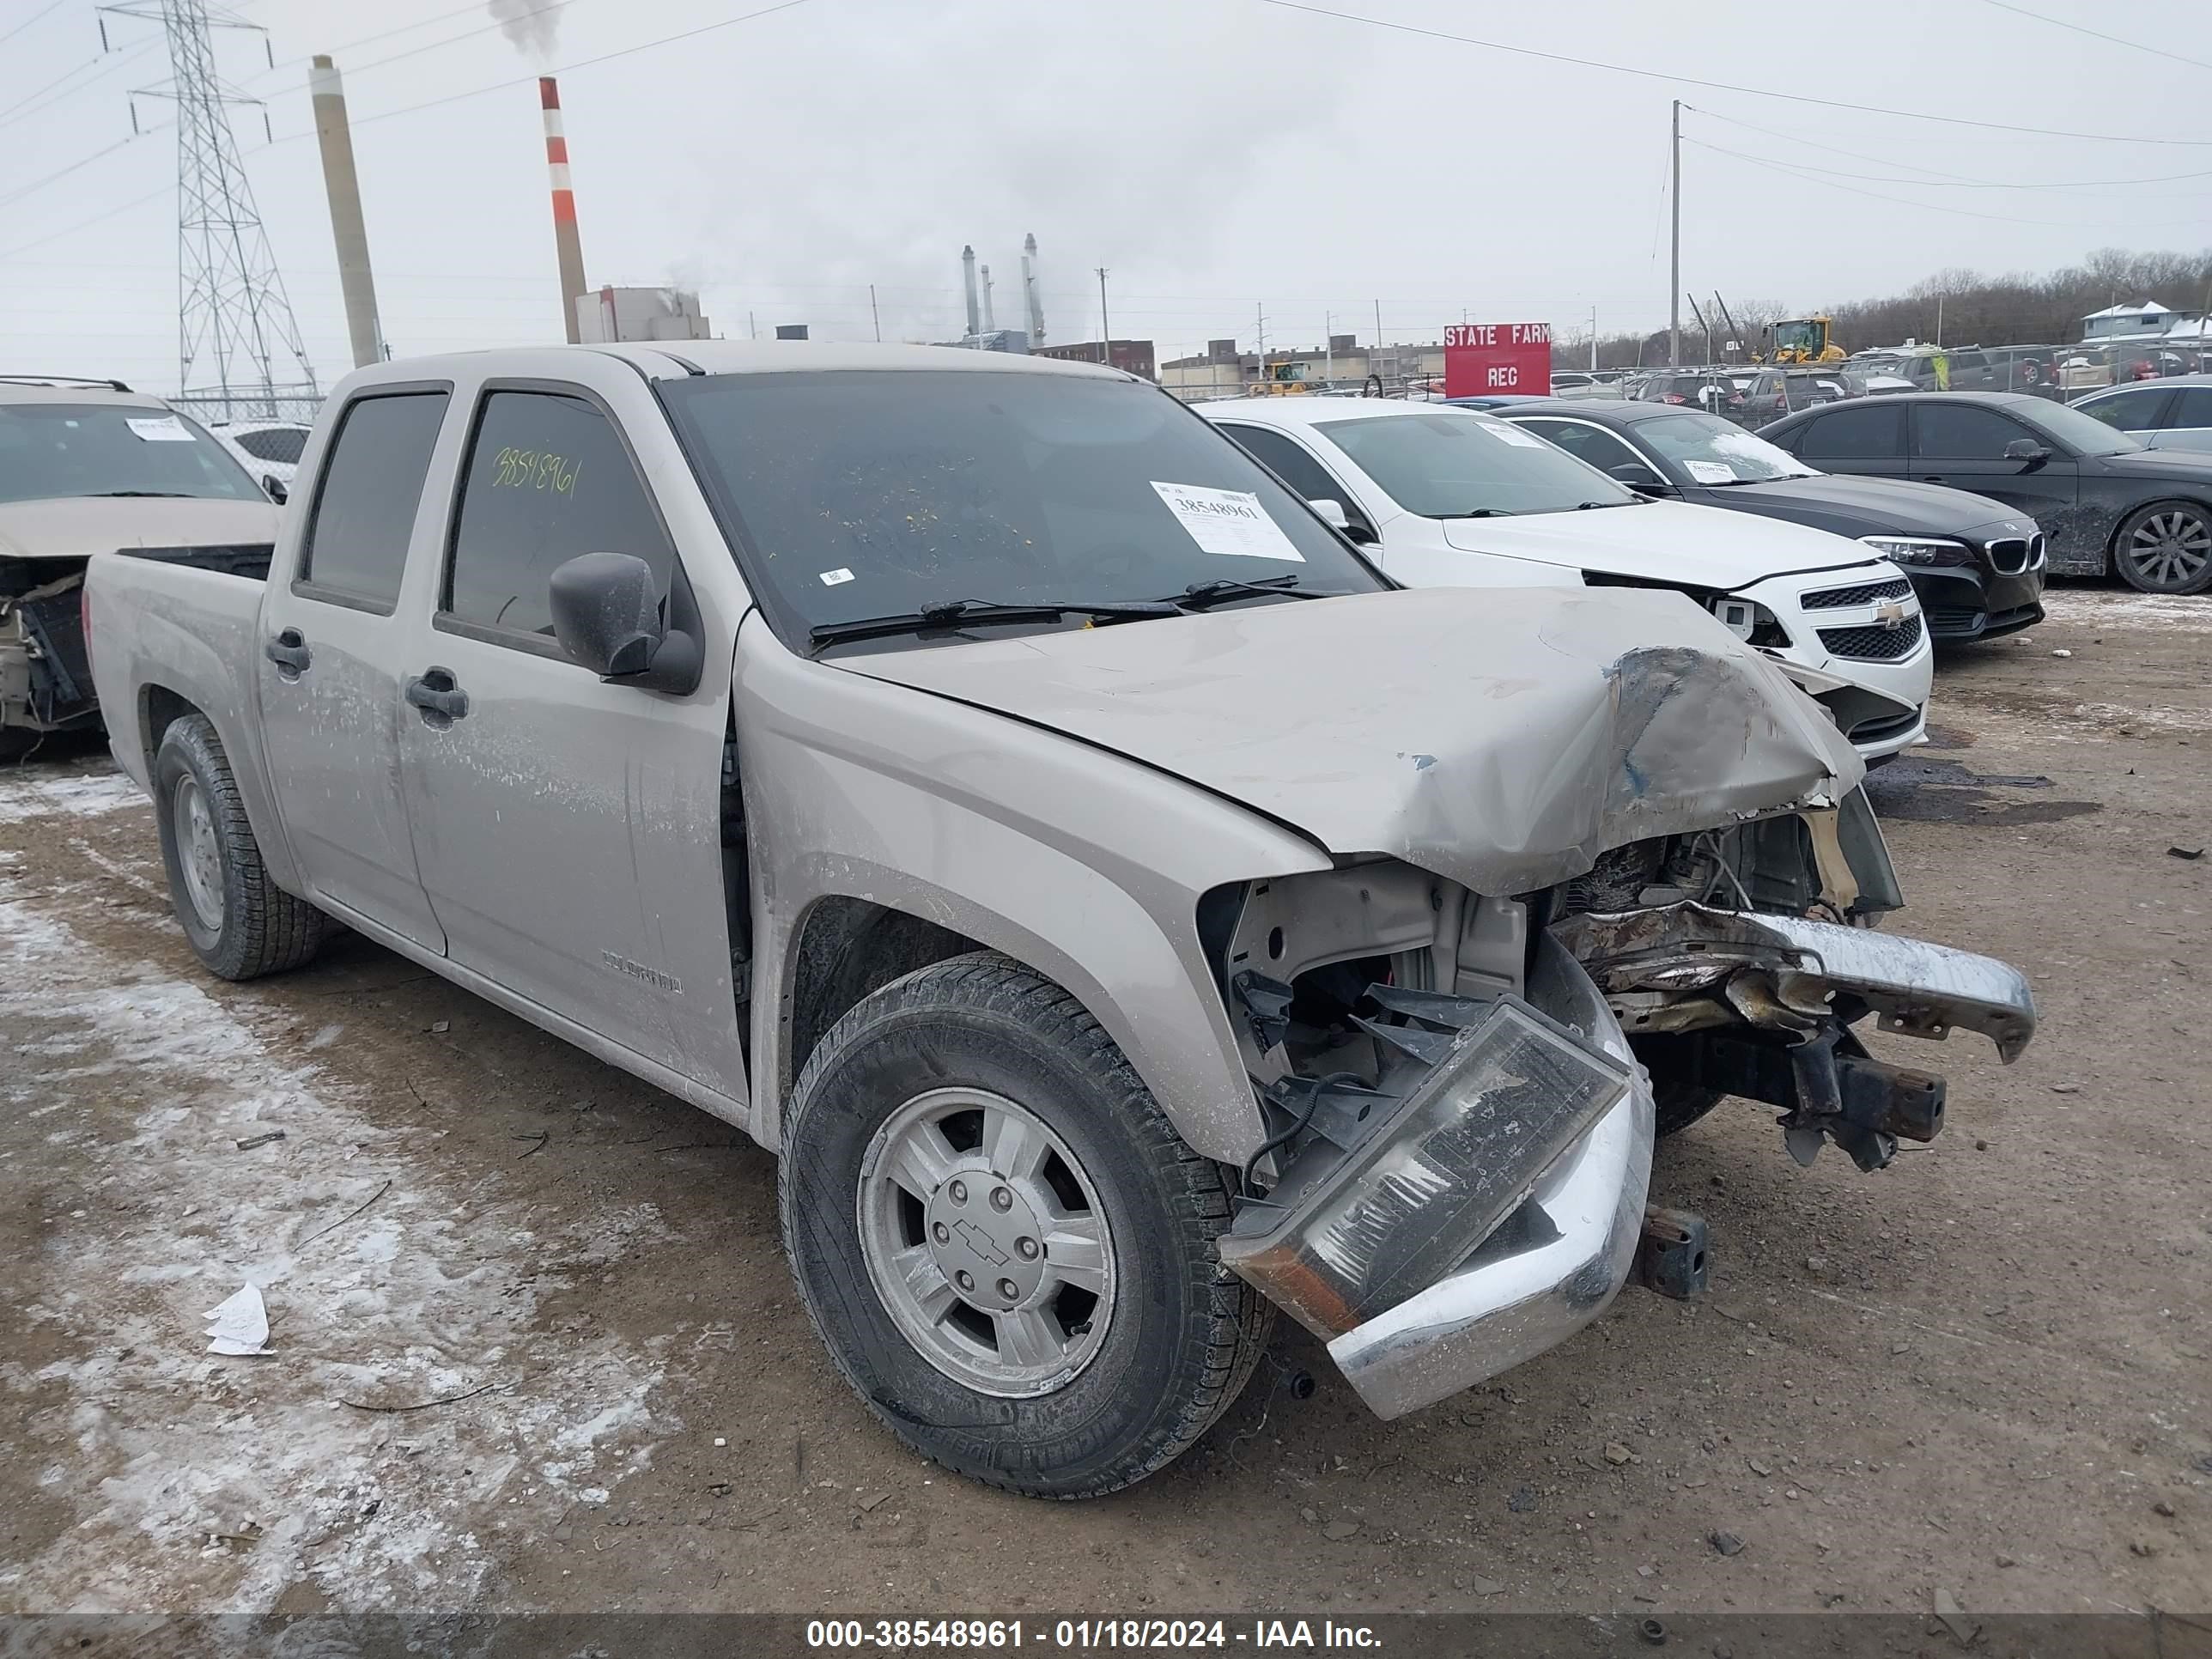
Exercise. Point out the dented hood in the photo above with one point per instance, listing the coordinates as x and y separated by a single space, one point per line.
1502 737
1661 541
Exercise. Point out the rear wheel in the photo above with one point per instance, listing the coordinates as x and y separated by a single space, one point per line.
2165 547
238 922
1002 1243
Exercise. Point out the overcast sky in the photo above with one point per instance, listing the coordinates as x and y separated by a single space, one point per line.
1221 157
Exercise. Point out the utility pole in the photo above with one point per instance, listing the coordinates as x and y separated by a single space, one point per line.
1105 326
1675 257
874 313
1592 339
1329 347
1259 336
1375 357
232 317
1939 317
343 186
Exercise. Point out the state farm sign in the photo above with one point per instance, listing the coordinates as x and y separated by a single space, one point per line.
1485 359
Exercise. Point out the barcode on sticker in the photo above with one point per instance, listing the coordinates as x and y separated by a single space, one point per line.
831 578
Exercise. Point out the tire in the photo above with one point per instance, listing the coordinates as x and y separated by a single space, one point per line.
2165 548
238 922
1024 1392
1681 1104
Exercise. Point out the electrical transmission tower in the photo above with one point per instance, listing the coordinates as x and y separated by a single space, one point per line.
238 346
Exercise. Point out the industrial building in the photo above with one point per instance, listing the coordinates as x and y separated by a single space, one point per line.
1342 364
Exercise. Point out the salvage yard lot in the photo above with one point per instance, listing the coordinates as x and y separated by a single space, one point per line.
535 1344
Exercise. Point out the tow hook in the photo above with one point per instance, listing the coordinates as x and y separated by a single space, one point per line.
1670 1256
1864 1105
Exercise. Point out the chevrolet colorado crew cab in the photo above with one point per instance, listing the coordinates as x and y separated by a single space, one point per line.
1123 909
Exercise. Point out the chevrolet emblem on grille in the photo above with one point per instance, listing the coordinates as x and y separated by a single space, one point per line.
1890 615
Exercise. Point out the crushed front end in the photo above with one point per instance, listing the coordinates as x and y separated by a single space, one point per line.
46 679
1460 1089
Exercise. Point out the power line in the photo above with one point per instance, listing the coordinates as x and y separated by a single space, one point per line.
569 68
1944 208
85 224
434 103
1833 149
42 11
18 194
2061 23
1954 182
1723 86
17 111
473 10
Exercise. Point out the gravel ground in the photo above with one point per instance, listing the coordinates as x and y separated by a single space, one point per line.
535 1346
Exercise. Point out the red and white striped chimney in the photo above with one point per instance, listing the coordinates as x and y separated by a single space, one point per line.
566 243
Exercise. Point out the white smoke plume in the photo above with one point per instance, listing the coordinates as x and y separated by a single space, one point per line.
532 26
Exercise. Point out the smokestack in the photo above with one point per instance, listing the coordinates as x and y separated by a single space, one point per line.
566 243
967 282
990 323
351 235
1031 297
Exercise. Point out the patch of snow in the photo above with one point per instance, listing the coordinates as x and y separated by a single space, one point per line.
2108 608
29 793
173 1456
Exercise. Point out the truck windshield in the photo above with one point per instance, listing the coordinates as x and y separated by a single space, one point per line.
1453 464
862 494
50 451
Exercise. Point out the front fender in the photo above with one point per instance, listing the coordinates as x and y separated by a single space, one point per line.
1084 865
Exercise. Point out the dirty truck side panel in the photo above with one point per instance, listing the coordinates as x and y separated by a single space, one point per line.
568 830
1085 865
347 569
168 631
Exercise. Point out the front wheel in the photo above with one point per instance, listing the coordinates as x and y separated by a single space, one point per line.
1002 1243
2165 547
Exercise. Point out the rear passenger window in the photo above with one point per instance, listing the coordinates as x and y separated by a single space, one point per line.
548 479
1965 431
1874 431
2195 408
357 541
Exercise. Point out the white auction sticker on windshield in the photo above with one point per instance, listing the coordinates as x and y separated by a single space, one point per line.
1711 472
167 429
833 578
1230 523
1508 433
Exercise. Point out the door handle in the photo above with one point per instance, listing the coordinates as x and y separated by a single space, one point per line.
288 651
441 701
1931 477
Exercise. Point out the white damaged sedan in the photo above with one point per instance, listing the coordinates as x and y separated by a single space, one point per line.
1443 497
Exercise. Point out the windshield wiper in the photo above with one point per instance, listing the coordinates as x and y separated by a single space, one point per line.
1588 507
165 494
956 612
1199 595
1478 512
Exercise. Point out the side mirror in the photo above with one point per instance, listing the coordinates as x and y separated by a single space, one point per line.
1638 478
606 614
275 488
1331 512
2026 449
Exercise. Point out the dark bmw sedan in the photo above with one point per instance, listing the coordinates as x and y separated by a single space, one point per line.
1976 563
2107 502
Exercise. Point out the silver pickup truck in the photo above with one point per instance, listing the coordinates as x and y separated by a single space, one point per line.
986 786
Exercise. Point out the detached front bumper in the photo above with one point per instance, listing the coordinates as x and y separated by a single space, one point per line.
1565 1247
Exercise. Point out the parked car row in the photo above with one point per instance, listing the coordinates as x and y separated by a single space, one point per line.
1126 907
2105 502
